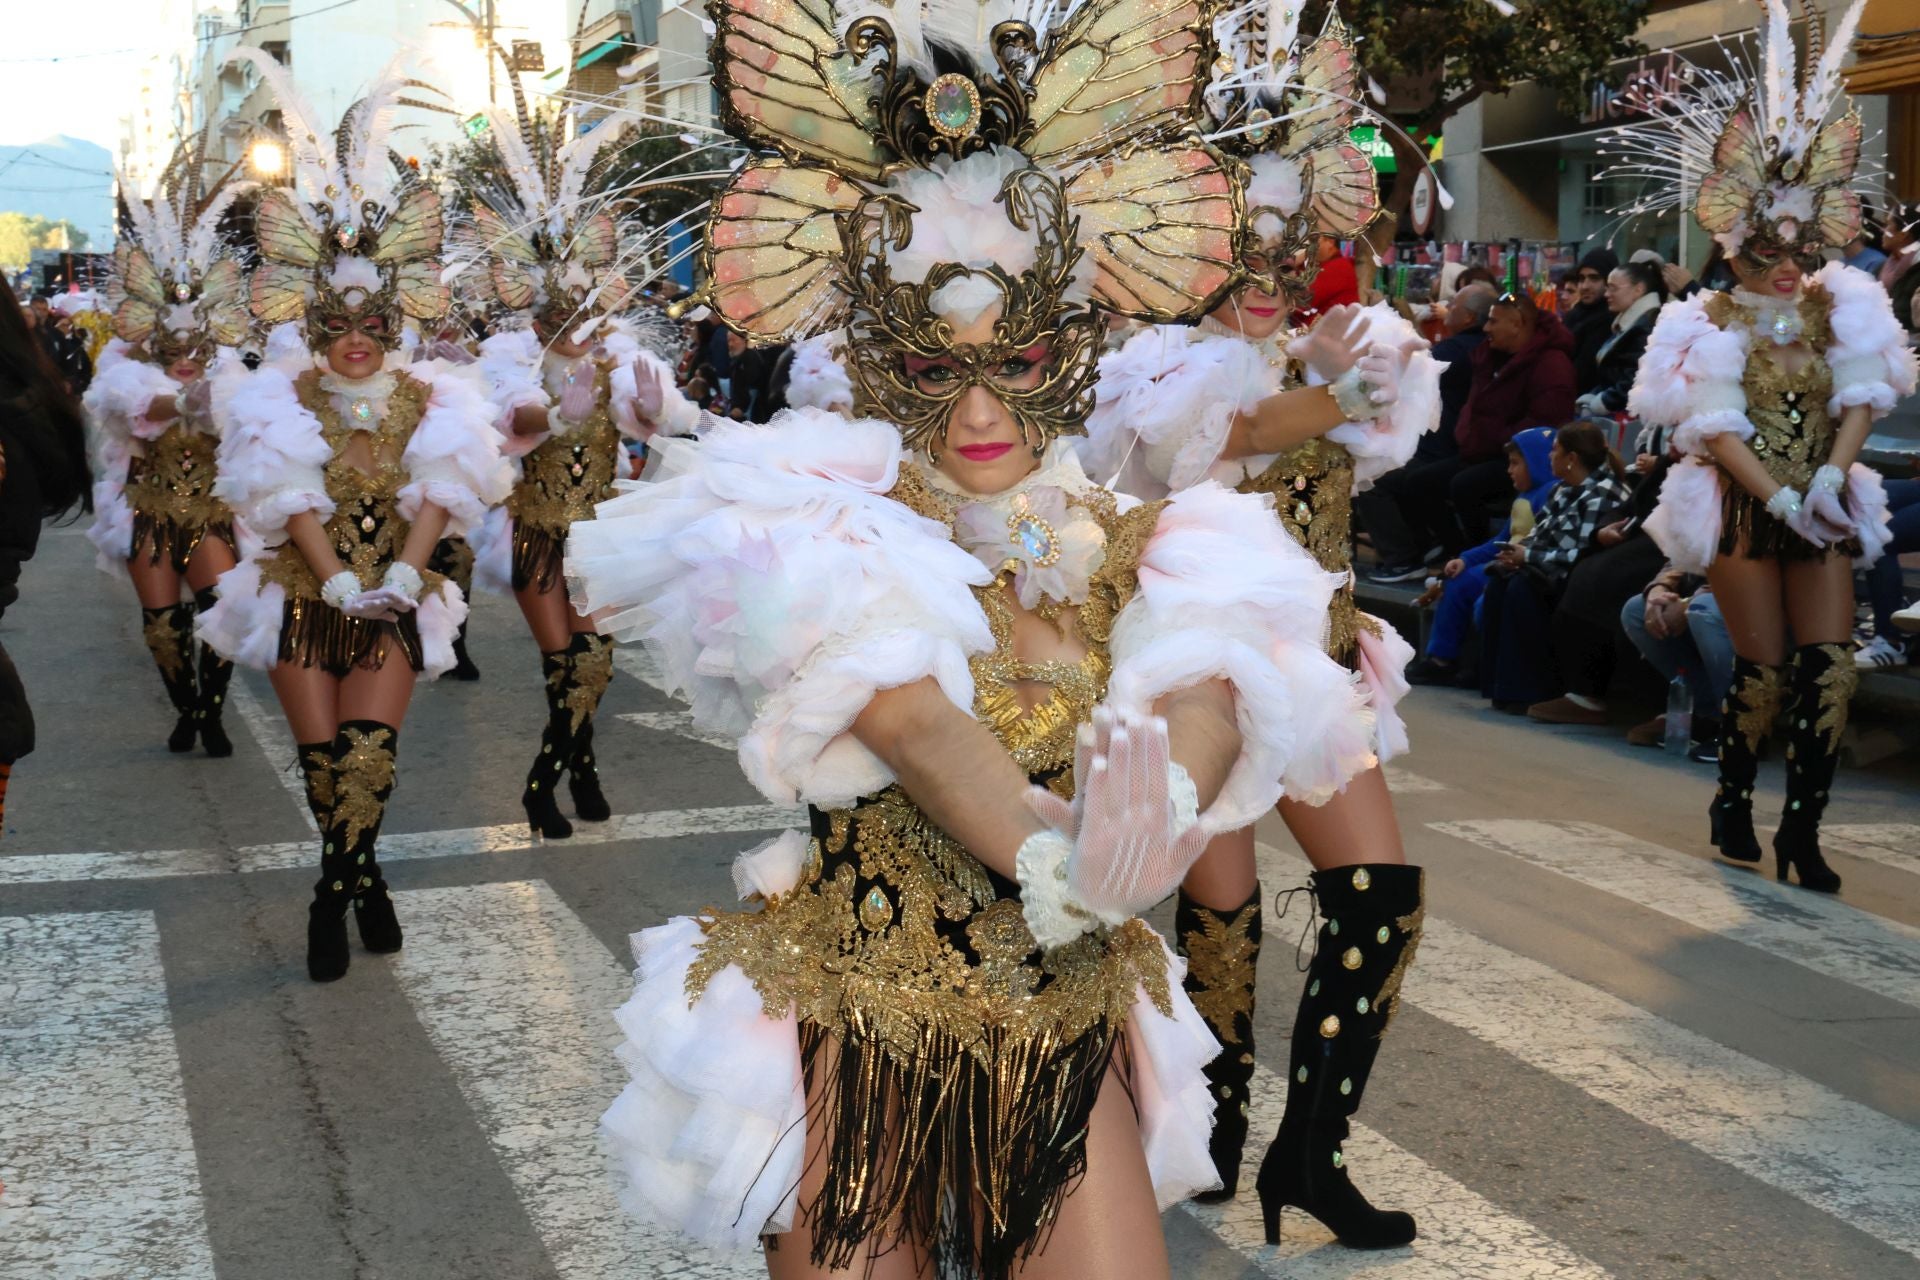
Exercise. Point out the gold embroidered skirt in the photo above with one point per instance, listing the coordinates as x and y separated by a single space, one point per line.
315 634
1749 530
172 543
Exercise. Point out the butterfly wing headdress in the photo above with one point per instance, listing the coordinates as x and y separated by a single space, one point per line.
350 240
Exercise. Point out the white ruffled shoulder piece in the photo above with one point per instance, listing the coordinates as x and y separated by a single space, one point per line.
1871 361
780 588
116 404
1387 442
1690 377
510 362
710 1133
1167 400
816 379
272 453
453 459
1225 593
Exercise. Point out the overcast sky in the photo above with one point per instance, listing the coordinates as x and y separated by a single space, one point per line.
65 65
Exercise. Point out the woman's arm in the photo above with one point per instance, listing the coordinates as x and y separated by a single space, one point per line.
306 533
953 767
1856 424
1740 462
1282 421
429 524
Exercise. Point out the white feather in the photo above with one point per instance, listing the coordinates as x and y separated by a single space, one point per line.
1824 80
1777 69
205 237
368 166
311 144
522 169
576 162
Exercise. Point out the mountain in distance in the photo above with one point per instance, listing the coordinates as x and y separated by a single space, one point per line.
61 177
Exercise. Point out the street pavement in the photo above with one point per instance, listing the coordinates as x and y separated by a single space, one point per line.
1620 1058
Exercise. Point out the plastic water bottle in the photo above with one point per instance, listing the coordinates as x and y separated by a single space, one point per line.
1679 714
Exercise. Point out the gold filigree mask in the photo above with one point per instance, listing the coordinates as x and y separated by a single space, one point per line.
1283 265
300 254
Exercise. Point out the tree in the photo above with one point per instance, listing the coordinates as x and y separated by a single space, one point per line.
1436 56
22 233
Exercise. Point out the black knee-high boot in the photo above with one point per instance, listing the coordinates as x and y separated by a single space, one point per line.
1222 950
169 636
1746 718
361 771
210 704
1824 678
316 776
1373 917
590 670
556 748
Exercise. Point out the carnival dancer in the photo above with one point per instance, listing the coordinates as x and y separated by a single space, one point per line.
563 375
1772 388
1220 403
914 1055
179 309
350 469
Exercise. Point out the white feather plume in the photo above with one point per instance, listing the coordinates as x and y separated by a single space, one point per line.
367 163
575 162
309 142
1777 80
205 236
523 169
1823 82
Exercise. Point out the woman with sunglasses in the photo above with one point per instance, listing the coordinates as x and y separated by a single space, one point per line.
351 467
1772 388
1180 407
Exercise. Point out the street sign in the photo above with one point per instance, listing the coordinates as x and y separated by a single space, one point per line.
1425 191
475 125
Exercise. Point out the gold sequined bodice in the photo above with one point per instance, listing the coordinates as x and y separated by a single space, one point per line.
172 480
366 528
896 927
1312 488
1792 430
563 477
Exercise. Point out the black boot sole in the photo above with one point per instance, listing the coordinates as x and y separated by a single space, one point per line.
327 954
544 818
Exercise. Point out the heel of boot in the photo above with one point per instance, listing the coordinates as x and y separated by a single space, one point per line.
1798 849
1270 1219
1732 832
543 814
185 729
380 930
589 801
327 956
213 737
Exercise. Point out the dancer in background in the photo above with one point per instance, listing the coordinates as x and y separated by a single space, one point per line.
1772 387
1180 407
351 469
939 1042
179 310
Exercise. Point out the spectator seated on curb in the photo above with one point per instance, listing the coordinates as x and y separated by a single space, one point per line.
1525 579
1528 456
1676 626
1890 646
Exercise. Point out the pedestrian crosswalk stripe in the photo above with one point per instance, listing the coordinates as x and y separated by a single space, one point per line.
1822 933
96 1152
1895 843
42 868
1404 782
680 724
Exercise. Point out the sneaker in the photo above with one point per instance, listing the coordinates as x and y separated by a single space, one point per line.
1430 671
1908 619
1879 653
1397 573
1565 711
1652 733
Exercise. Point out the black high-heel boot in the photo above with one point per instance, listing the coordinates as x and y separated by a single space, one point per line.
556 744
1222 950
169 636
590 661
363 759
463 668
211 703
1746 717
1373 920
1824 680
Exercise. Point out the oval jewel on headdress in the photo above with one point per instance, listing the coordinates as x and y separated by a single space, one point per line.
182 291
347 235
953 106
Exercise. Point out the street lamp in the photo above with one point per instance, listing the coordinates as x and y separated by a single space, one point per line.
267 157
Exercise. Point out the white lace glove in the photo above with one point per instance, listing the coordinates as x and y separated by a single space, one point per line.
659 405
340 588
1823 504
1785 506
1372 386
1135 832
194 402
1334 344
451 352
379 604
576 398
405 579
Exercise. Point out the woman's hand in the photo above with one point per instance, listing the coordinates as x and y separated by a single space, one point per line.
1334 344
1612 535
1676 276
577 397
1453 568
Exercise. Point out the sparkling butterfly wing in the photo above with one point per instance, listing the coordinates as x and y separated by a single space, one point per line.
137 277
285 236
513 284
596 241
415 231
785 81
423 295
1835 153
1837 214
1116 69
280 292
1160 228
500 240
223 301
1320 104
773 250
1346 195
1739 171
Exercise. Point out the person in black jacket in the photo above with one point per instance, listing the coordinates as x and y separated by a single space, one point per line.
1635 293
43 475
1589 320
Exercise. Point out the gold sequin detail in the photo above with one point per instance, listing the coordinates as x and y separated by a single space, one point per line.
1362 879
1330 1026
1351 959
551 494
1387 1001
166 643
1220 960
172 481
1759 698
1837 685
362 778
1791 439
1312 488
592 672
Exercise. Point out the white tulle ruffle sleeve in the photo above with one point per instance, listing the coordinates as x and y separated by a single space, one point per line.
116 405
1167 401
453 459
780 588
1690 377
1871 361
272 454
1386 443
1225 593
816 378
510 363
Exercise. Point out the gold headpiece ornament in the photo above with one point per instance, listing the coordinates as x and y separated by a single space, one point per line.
354 243
942 160
1286 110
175 291
1770 177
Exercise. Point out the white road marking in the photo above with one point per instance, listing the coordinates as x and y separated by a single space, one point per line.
1811 929
638 663
270 733
96 1154
43 868
1773 1125
1461 1234
1895 843
518 997
679 723
1406 783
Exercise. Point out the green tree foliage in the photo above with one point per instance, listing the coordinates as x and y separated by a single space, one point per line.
22 233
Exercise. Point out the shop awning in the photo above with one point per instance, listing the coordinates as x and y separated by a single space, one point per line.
598 52
1887 50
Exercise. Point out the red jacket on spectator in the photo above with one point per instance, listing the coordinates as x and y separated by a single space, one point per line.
1533 387
1336 285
